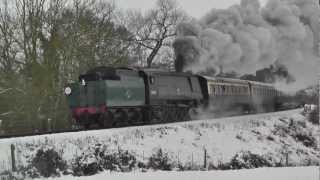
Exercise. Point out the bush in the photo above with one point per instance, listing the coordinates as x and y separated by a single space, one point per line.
248 160
47 162
122 161
87 165
100 159
297 130
307 140
245 160
160 161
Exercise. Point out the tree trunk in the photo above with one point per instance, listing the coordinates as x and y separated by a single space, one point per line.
154 53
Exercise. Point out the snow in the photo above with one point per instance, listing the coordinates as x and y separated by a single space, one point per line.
185 142
290 173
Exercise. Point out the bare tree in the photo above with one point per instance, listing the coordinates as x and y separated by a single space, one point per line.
45 43
8 51
156 28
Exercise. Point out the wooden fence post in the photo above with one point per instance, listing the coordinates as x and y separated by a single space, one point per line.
143 155
205 158
13 159
287 158
192 160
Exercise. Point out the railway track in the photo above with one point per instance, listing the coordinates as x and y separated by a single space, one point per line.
38 134
99 128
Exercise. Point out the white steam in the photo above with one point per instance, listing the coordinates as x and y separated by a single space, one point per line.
247 37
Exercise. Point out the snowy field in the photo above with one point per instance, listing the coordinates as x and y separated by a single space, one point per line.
292 173
282 138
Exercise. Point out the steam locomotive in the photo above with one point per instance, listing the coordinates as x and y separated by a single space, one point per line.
114 97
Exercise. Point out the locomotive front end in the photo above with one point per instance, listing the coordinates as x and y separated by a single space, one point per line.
86 101
106 97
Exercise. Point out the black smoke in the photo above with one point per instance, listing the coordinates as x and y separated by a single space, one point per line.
272 74
247 38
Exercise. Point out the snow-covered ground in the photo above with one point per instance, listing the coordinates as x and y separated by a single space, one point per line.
292 173
280 137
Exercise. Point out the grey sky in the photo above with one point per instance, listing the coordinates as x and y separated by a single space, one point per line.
195 8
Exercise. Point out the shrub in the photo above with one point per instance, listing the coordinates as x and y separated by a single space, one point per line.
101 159
160 161
87 165
245 160
47 162
122 161
248 160
307 140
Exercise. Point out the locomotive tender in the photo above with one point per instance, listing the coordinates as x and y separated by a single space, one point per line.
113 97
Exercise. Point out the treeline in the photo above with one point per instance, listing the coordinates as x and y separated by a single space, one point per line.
46 43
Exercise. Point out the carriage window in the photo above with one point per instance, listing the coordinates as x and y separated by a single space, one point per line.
190 84
151 80
212 90
267 92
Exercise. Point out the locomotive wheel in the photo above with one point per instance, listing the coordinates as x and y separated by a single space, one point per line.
183 114
157 114
166 114
86 122
106 120
192 113
139 118
174 114
120 117
133 116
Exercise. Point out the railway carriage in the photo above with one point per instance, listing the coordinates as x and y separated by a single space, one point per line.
233 96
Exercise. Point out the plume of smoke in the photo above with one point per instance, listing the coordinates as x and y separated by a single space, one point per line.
274 73
247 37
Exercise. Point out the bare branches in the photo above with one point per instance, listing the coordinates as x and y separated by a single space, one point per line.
156 28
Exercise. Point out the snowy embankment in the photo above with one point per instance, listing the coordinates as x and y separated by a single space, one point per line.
276 139
291 173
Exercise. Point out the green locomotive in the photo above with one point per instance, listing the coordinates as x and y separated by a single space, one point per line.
113 97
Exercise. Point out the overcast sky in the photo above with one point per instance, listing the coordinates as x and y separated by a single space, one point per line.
195 8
